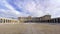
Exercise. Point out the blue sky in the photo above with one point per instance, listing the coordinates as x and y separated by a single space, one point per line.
35 8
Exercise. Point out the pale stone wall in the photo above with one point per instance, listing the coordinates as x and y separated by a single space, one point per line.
6 20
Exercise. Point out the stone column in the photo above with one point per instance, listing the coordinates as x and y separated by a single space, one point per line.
0 20
4 20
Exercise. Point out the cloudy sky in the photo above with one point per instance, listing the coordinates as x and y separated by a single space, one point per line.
35 8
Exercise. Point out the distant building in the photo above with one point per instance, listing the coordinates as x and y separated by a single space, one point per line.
24 19
34 19
43 19
46 17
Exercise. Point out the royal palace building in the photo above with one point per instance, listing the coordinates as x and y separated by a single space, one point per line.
34 19
43 19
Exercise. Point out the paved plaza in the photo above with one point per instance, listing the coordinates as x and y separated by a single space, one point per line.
30 28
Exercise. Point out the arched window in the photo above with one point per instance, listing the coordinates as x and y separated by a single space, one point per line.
4 20
8 21
1 20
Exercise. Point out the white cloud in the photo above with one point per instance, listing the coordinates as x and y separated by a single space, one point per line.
9 13
34 8
38 9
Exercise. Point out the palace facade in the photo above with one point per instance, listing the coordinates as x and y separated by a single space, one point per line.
43 19
34 19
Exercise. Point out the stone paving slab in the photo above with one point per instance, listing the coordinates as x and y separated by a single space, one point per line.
30 28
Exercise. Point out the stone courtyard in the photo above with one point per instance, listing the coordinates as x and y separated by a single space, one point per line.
30 28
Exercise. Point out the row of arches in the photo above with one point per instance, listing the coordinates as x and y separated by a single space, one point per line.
53 20
4 20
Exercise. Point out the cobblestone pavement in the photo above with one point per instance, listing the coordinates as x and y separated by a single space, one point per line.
30 28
